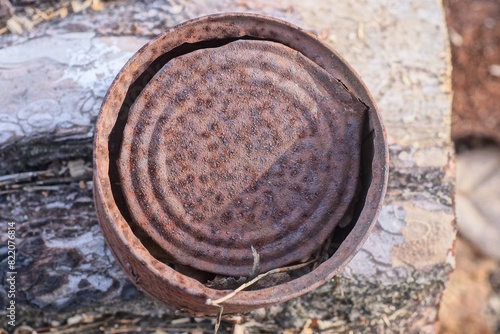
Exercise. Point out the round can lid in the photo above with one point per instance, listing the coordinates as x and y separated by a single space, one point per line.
246 144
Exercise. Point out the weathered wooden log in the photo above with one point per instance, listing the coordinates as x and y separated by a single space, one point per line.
53 80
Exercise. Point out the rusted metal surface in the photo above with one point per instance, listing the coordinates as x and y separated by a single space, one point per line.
206 149
248 144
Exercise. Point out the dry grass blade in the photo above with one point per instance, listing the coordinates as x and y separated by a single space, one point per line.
261 276
219 301
219 318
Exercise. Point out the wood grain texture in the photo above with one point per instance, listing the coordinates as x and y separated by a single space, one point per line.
53 81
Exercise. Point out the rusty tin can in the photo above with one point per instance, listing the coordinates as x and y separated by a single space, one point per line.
231 145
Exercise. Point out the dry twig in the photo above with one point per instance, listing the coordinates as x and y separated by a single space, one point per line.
219 301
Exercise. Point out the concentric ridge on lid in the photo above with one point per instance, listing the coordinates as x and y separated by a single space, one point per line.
249 144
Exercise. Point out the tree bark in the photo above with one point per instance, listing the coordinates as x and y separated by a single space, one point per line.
53 81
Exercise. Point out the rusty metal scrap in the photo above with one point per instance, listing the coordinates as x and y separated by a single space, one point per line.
229 132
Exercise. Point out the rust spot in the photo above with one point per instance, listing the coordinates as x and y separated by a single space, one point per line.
249 133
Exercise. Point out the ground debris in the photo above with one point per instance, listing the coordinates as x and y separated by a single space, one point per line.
225 283
24 19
